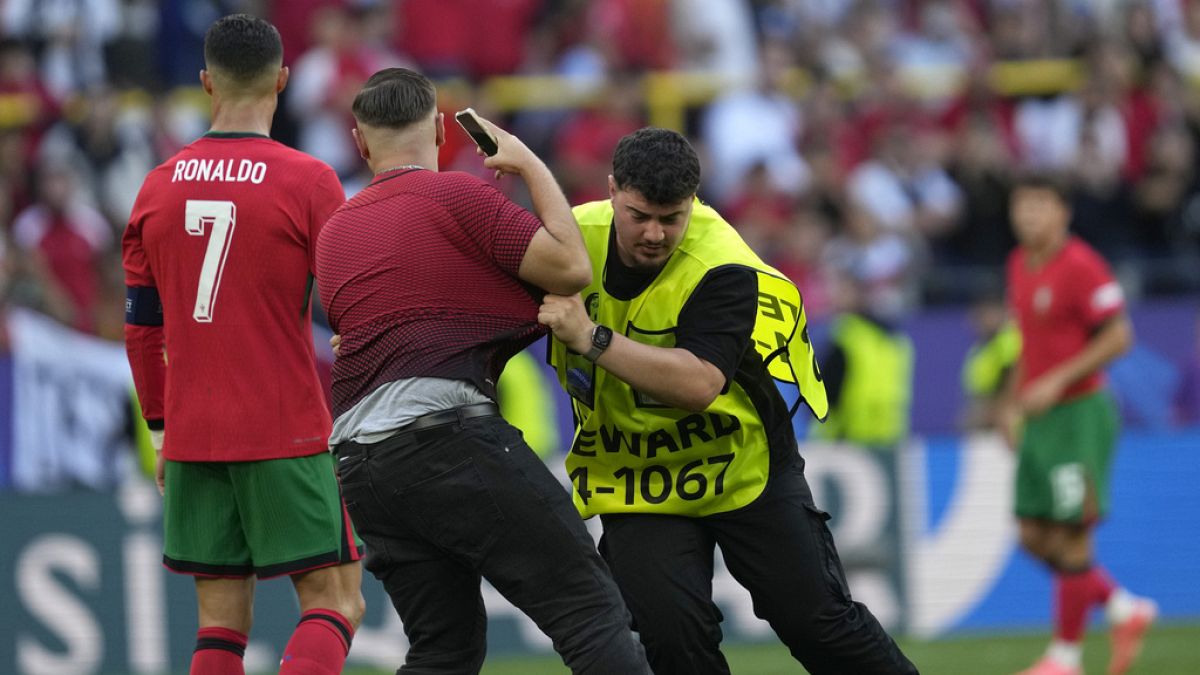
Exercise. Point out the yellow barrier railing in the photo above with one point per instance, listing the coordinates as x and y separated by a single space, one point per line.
669 94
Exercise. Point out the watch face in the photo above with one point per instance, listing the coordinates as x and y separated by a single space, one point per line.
602 336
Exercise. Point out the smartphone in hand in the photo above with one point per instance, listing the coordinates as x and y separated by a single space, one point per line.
470 123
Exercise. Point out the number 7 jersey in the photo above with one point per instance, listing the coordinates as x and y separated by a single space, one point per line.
226 231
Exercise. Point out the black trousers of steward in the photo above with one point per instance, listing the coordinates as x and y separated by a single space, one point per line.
780 549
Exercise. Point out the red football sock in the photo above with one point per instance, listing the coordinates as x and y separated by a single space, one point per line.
319 645
219 651
1075 594
1102 584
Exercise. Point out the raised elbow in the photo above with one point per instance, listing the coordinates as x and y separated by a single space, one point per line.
571 277
702 386
696 405
579 275
699 398
562 268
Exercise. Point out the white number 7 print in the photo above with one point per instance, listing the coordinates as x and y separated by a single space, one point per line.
222 217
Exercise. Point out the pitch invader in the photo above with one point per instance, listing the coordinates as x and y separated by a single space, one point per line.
1071 313
219 255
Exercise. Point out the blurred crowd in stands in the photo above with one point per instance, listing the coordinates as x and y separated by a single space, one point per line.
869 139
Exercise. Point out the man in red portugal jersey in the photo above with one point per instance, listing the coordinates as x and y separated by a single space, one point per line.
1071 314
433 281
225 234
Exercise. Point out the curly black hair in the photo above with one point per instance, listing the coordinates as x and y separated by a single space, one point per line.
658 163
243 47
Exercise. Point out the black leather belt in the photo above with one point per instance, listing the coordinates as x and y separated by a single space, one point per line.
444 417
422 426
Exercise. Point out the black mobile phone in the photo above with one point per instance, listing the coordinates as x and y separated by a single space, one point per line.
469 121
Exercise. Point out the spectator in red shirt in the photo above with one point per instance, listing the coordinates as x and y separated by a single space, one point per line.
25 103
71 238
799 256
467 37
294 19
759 209
980 105
586 142
639 30
500 36
436 33
1133 96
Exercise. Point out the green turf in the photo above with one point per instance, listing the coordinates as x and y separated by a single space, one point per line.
1170 650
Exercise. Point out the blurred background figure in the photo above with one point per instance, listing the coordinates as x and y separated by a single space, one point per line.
30 108
883 262
70 36
868 370
326 77
109 146
69 239
989 363
449 38
756 126
903 185
527 400
585 141
716 38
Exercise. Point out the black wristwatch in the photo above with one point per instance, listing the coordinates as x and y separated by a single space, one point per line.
601 339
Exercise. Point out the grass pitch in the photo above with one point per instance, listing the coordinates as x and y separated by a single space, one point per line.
1172 649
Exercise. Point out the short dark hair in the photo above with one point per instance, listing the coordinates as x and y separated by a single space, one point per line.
1043 180
395 98
658 163
242 46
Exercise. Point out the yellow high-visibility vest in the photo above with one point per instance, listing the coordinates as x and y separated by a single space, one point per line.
632 454
877 390
986 364
527 402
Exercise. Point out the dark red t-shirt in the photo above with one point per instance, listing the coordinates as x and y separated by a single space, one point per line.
418 274
1059 306
226 230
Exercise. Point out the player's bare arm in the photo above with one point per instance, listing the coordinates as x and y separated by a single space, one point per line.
1113 338
556 259
673 376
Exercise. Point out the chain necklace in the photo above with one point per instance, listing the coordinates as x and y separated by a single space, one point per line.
399 168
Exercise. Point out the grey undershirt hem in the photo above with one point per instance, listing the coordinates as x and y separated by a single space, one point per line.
384 411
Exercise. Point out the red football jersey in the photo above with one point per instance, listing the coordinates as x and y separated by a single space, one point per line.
227 231
1059 306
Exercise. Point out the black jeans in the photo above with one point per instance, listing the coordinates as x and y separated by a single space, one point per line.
780 549
440 508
